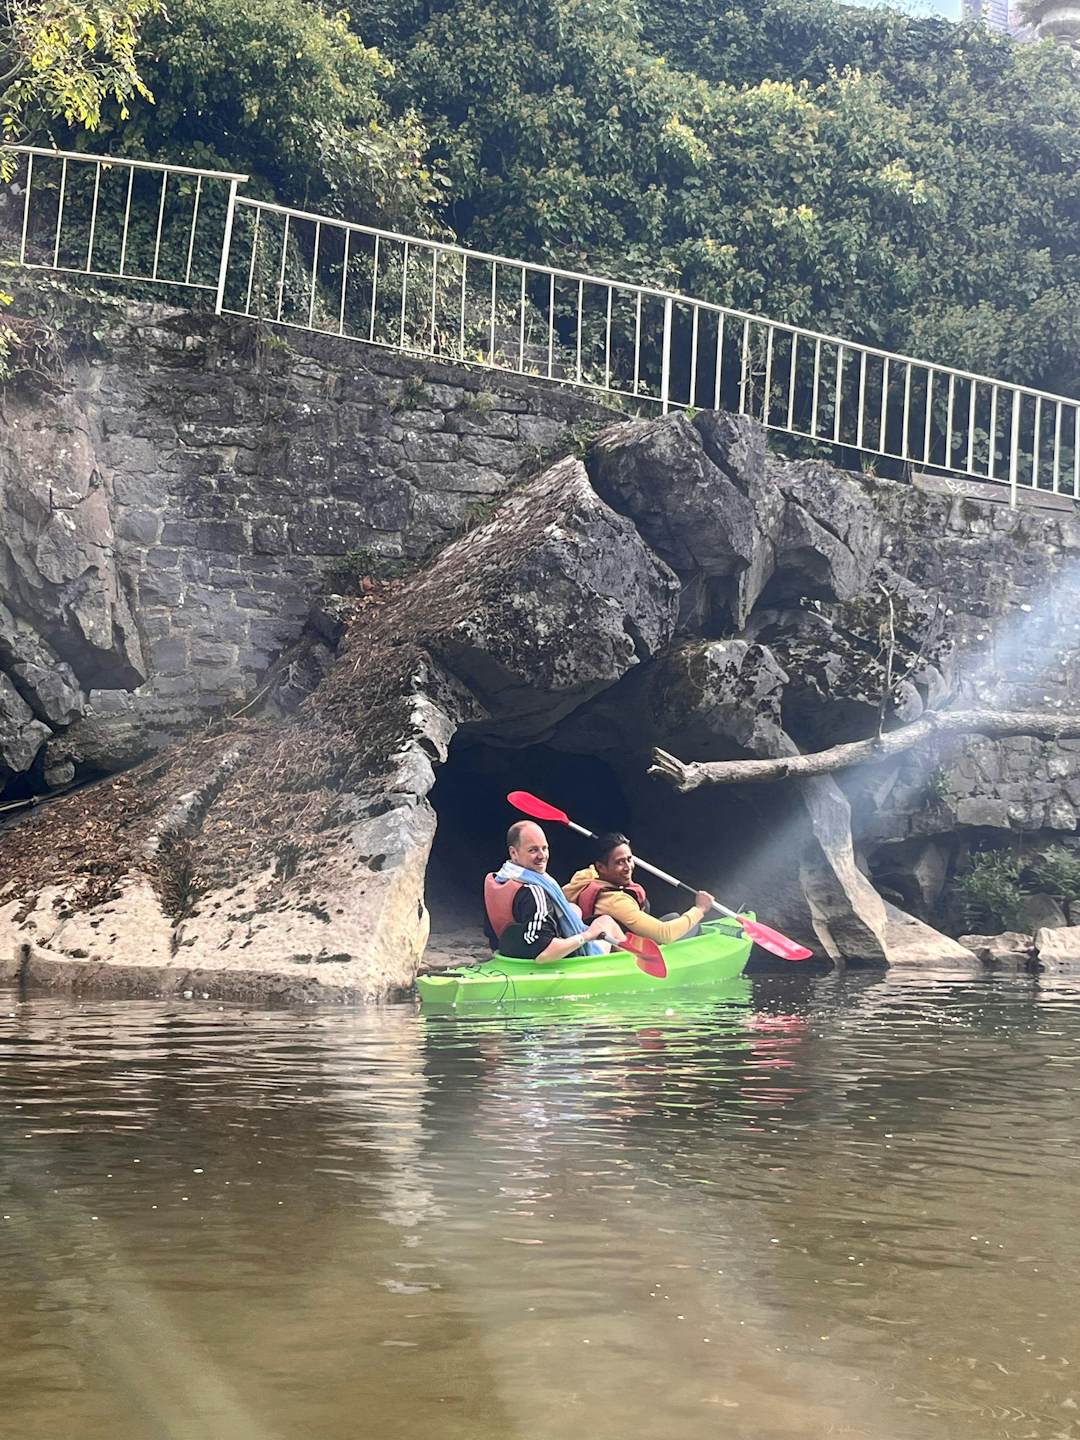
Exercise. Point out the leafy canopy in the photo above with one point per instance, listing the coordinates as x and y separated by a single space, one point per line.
62 59
910 182
288 93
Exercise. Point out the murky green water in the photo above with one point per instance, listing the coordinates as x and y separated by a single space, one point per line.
814 1208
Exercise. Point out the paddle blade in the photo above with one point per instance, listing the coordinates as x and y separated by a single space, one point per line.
538 809
773 941
647 953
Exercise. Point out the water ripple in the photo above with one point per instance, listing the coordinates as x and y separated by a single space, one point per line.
807 1207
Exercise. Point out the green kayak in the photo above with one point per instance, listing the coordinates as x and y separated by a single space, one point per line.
718 954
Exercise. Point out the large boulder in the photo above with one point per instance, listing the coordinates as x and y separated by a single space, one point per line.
848 914
689 511
1058 948
1011 950
718 692
831 534
552 601
1042 912
58 564
287 859
736 446
911 942
47 683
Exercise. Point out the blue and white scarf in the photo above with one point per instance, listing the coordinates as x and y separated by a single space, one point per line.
568 920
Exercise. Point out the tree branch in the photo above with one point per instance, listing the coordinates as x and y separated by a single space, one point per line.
1041 724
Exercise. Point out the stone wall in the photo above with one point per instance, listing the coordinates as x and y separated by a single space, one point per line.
1008 584
171 506
684 587
200 477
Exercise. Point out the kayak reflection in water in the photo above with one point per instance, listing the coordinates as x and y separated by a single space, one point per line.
607 888
528 916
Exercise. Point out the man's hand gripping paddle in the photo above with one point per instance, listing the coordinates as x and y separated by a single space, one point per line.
762 935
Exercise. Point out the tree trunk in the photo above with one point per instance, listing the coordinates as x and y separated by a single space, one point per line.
1038 723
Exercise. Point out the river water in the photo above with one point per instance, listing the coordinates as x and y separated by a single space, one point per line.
807 1207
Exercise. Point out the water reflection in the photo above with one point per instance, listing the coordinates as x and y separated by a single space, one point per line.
807 1207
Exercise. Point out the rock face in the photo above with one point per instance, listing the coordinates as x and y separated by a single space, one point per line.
58 555
167 517
165 522
65 620
295 865
1059 949
555 562
1011 950
686 508
830 537
732 521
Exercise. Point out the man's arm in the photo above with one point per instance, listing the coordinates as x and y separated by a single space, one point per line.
535 932
601 928
622 907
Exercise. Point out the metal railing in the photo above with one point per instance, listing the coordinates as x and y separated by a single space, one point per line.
121 219
172 225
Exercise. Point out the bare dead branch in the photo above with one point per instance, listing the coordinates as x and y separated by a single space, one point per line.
1040 724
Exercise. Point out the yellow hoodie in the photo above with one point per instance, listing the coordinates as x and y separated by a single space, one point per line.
623 908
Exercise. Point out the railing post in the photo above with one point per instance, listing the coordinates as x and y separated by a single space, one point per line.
1014 450
226 245
665 363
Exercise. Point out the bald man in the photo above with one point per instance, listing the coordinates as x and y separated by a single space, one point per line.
523 916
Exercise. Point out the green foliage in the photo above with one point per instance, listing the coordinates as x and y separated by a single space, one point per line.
909 182
578 438
905 181
346 574
283 90
480 402
50 324
414 394
1057 872
9 341
62 60
992 892
32 346
938 792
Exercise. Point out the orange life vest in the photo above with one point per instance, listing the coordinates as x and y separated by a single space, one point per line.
595 888
499 902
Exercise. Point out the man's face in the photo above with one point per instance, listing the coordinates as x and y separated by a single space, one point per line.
531 851
618 868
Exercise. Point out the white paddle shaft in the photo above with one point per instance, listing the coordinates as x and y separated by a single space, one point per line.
661 874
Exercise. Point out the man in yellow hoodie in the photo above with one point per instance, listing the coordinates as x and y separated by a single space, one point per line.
608 887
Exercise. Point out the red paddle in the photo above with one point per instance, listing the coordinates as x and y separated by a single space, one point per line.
762 935
647 953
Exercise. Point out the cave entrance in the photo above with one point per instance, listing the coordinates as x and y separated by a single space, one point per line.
742 842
